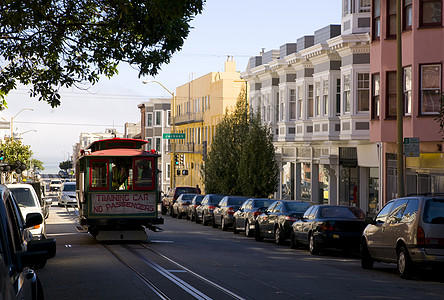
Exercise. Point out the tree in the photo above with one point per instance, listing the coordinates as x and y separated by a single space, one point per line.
15 150
65 165
53 44
37 164
440 117
241 160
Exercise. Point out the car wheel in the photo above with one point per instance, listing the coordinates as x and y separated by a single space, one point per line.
196 219
223 224
257 234
404 263
366 258
294 244
235 231
173 215
248 231
312 246
204 222
179 216
278 236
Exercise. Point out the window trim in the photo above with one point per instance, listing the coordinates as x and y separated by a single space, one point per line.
405 113
421 15
153 171
358 89
376 19
420 88
387 91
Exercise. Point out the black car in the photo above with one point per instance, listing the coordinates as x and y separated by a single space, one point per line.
20 255
223 214
204 212
245 218
191 212
276 221
329 226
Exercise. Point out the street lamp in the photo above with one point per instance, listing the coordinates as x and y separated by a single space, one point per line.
22 133
172 163
12 119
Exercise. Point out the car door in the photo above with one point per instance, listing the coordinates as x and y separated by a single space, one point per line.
263 219
393 229
218 211
241 214
374 232
273 217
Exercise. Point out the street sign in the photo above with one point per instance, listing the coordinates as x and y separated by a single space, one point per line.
5 125
174 136
411 147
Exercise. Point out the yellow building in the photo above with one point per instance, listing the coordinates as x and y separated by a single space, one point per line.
199 106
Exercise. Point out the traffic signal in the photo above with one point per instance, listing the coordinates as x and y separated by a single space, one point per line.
176 159
2 155
182 160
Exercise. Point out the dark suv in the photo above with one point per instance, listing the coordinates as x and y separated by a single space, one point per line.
170 198
19 255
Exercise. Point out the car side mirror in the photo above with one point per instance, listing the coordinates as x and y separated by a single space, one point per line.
369 220
33 219
38 252
48 201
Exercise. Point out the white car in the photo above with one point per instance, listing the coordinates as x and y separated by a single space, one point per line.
55 185
28 202
67 194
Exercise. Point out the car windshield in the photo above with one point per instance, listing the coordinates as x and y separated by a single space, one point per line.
69 187
434 211
236 201
263 203
198 199
299 207
342 212
189 190
188 196
23 197
214 199
56 182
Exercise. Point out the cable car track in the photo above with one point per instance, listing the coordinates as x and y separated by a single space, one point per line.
212 289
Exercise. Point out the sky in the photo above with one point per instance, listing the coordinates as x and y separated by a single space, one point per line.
225 28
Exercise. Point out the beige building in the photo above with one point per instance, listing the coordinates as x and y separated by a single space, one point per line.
199 106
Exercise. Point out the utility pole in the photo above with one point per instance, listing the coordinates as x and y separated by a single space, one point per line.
400 104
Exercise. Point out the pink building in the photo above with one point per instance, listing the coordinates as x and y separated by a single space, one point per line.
422 61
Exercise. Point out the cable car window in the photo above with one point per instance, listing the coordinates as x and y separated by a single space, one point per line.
121 174
98 172
143 173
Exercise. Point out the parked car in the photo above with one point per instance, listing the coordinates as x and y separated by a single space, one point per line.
55 185
28 202
67 195
329 226
277 219
223 214
180 207
20 255
191 212
45 202
170 198
407 231
204 212
245 218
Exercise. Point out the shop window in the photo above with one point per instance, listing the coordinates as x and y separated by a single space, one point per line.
430 13
305 181
391 106
430 89
98 174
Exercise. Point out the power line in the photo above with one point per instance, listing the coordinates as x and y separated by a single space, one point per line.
68 124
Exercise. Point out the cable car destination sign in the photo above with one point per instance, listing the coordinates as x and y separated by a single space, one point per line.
174 136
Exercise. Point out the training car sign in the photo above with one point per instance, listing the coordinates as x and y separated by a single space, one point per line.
115 204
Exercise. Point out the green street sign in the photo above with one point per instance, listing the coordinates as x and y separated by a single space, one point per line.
174 136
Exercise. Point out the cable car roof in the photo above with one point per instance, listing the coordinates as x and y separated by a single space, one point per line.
121 152
116 143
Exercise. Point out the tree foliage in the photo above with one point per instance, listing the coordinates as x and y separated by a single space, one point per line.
36 164
65 165
241 160
15 150
50 44
440 117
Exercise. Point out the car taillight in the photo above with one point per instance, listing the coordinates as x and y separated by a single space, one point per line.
37 226
327 227
420 236
230 211
257 213
211 207
291 219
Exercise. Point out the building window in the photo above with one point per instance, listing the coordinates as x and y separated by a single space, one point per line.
364 6
430 12
300 99
158 145
346 93
149 120
338 97
325 97
158 121
281 108
318 98
391 18
363 91
407 15
276 113
169 117
168 171
407 90
376 29
391 94
346 7
430 89
376 84
310 101
292 101
149 145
